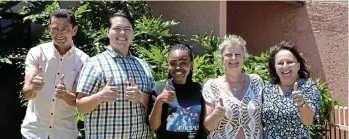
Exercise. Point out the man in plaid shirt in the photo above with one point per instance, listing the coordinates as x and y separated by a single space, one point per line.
111 87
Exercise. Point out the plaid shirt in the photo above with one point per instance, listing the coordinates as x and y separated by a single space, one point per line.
121 119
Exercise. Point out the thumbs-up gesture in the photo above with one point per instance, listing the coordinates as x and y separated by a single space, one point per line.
109 93
61 89
132 92
38 81
297 95
166 96
219 108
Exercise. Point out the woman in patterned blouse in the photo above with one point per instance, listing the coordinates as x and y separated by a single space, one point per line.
233 101
291 100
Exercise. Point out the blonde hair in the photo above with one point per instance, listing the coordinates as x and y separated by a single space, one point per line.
233 40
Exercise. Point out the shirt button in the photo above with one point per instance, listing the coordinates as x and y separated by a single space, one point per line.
51 113
53 99
61 59
55 86
58 73
50 126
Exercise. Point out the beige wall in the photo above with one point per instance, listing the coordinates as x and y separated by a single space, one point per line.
330 27
195 17
319 30
265 24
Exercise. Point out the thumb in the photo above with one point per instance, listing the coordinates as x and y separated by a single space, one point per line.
40 72
295 86
166 86
132 82
62 80
221 102
110 81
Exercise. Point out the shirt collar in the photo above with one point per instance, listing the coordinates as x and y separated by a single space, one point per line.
68 53
117 55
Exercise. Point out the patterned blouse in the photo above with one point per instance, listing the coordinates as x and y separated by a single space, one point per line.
281 115
244 114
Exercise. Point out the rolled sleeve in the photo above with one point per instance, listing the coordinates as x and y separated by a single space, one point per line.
89 80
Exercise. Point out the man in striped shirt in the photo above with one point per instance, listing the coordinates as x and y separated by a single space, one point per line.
111 87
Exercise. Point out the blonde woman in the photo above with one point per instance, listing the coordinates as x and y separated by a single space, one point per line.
233 101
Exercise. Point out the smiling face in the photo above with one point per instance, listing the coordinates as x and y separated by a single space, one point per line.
62 31
287 67
120 33
233 58
179 65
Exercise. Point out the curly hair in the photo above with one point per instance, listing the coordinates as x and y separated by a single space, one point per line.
303 70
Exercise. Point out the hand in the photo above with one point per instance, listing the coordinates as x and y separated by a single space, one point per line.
297 95
166 96
38 81
132 92
61 89
109 93
219 109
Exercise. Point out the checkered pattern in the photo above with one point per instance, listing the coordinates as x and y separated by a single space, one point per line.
121 119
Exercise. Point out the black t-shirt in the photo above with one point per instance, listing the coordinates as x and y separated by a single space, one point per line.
183 118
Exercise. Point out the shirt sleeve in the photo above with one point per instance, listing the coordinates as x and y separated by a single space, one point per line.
260 88
208 92
31 62
312 97
90 79
84 62
157 89
152 83
150 90
151 78
149 75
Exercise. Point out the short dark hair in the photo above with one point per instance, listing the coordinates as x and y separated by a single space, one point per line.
64 13
187 48
303 70
121 14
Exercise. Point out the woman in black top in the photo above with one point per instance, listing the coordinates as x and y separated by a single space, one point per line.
178 103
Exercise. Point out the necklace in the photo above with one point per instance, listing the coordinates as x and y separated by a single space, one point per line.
235 89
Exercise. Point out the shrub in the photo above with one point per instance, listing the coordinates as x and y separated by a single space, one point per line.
152 40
